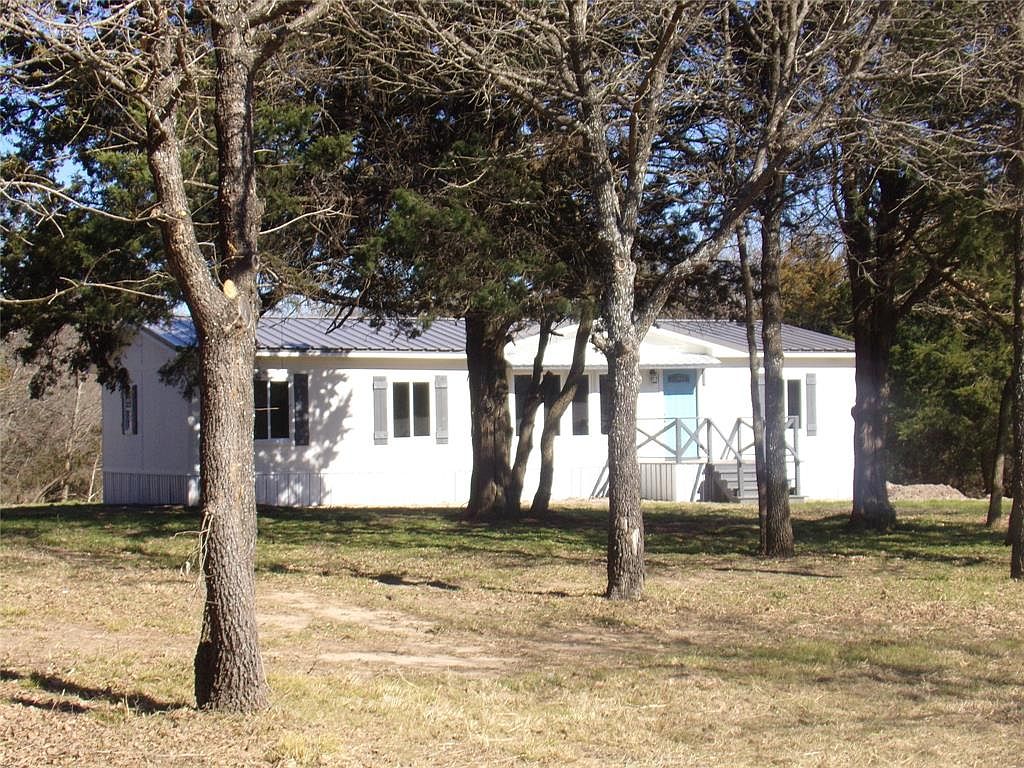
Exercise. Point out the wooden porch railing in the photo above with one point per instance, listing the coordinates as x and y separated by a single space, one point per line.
703 441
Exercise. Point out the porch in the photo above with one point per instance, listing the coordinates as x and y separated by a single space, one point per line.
693 459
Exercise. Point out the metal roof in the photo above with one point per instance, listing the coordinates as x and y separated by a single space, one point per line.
313 334
733 334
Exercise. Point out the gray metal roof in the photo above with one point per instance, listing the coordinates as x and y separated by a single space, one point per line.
734 334
274 333
294 333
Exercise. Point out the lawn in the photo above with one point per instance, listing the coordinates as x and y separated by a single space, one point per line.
410 638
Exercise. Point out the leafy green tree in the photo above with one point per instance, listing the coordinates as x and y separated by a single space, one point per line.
483 229
948 376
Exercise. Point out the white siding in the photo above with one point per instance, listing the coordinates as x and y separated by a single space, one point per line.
343 465
159 465
826 458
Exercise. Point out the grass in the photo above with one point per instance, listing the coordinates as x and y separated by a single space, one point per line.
410 638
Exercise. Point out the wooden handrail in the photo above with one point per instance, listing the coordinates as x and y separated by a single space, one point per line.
734 445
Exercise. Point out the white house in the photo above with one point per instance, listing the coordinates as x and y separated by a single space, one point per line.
364 416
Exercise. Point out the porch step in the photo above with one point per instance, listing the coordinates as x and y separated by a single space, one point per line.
725 481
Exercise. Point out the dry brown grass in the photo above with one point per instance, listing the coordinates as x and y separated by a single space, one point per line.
409 639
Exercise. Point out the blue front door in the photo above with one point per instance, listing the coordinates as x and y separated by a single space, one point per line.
681 403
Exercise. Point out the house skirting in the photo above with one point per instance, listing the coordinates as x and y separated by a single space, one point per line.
659 481
131 488
670 481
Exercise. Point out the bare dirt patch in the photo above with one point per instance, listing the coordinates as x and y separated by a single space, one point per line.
299 609
367 638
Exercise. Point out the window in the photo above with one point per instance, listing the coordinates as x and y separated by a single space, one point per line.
410 409
604 387
271 406
580 411
130 410
520 389
410 404
552 388
793 404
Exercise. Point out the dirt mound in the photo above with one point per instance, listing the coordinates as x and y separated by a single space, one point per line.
922 492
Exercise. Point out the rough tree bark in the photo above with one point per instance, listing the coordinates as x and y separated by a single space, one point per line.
757 418
491 423
542 497
872 264
224 303
778 532
626 571
873 334
1015 531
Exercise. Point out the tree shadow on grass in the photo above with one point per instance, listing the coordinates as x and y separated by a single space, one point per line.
962 543
100 533
134 522
137 702
568 534
907 664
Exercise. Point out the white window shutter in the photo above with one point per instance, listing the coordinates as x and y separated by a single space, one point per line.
300 396
441 408
811 396
380 410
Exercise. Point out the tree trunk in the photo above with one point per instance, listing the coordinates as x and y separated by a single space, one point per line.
998 469
69 443
524 445
778 530
871 507
757 418
228 667
872 261
491 424
92 476
223 301
1015 531
625 519
542 498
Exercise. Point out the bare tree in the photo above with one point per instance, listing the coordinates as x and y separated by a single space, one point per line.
643 85
1015 247
49 445
778 529
753 362
158 65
